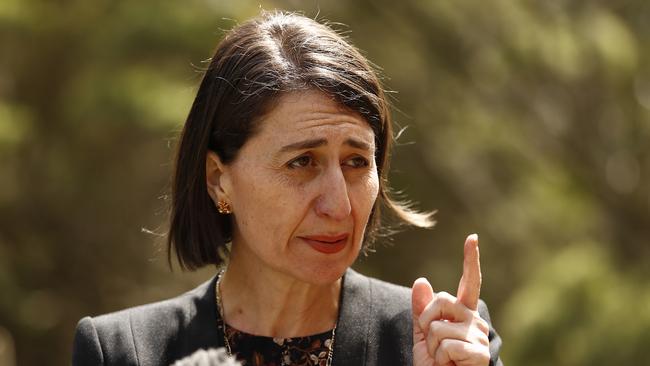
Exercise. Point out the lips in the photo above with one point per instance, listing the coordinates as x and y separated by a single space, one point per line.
327 244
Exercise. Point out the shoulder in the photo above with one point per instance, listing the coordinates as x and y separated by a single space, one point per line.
398 296
386 297
166 315
391 297
147 332
169 313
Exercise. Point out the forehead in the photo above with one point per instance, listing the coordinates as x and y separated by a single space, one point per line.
311 113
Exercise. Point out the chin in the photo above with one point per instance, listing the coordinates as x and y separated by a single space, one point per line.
321 274
328 276
319 269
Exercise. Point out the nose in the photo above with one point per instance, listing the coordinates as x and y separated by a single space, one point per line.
333 201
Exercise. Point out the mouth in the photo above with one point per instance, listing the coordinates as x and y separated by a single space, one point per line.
327 244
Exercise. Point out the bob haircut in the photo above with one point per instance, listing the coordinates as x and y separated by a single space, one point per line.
254 64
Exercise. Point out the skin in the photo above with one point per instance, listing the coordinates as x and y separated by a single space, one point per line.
448 330
310 171
280 193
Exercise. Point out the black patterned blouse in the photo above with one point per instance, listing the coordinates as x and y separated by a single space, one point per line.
252 350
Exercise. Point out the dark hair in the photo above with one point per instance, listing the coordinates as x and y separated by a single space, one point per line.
253 65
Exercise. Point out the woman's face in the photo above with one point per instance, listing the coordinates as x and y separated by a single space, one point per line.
302 189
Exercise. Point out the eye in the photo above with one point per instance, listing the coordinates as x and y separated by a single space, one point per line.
300 162
357 162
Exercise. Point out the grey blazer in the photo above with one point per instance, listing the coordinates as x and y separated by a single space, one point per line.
374 328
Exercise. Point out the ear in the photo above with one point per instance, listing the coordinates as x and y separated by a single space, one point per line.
217 178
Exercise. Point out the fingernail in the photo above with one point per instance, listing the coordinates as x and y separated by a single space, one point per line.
473 237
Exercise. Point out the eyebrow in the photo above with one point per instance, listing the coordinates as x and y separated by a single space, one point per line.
314 143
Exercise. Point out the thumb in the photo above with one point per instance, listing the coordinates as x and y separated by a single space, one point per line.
421 296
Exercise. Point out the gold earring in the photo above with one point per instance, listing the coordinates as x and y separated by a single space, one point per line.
224 207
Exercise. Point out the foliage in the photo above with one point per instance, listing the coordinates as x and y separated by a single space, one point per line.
528 122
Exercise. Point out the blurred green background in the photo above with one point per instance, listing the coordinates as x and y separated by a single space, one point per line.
528 122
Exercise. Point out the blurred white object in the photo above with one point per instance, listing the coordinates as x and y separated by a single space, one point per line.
211 357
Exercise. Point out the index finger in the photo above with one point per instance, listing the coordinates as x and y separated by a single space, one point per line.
469 288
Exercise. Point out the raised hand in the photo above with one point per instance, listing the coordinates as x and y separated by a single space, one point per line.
448 330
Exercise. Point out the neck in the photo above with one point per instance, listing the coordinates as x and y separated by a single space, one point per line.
262 301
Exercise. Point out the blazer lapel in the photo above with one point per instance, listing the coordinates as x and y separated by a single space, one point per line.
355 310
202 329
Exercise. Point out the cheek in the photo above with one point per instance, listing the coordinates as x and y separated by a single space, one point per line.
367 195
268 206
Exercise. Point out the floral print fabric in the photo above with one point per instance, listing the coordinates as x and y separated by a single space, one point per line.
252 350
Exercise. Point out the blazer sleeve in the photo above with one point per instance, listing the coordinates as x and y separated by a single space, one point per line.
86 349
493 336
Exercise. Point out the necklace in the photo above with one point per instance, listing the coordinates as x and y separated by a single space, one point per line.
221 324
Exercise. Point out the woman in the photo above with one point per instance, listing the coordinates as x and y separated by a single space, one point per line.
284 156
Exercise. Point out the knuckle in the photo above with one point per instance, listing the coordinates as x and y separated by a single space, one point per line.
432 344
433 327
445 300
445 296
432 330
445 343
483 340
435 331
442 355
481 324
